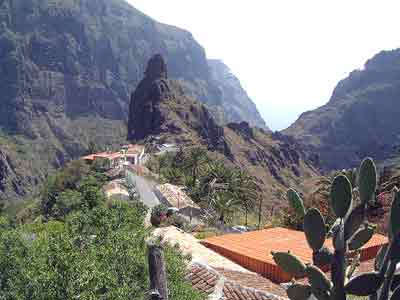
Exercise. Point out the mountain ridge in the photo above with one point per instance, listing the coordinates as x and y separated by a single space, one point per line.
360 118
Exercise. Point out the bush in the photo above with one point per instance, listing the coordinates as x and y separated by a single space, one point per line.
92 254
158 215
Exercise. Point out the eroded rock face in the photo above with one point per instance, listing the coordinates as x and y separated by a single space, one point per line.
243 128
145 115
360 119
159 106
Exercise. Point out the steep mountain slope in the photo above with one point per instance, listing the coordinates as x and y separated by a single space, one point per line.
241 107
360 119
159 108
68 68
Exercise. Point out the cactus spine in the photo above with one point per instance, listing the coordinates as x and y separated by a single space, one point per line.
350 233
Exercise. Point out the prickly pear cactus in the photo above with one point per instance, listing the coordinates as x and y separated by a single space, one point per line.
350 233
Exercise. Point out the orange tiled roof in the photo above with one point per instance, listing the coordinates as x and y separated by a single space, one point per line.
105 155
253 249
131 150
210 281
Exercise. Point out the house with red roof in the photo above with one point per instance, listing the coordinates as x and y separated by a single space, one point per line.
129 154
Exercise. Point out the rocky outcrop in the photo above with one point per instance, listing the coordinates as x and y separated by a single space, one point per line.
361 118
242 128
145 115
160 110
160 107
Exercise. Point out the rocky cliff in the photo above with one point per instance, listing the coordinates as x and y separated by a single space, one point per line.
160 109
360 119
68 68
241 107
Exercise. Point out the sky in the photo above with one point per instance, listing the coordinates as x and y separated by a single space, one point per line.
288 55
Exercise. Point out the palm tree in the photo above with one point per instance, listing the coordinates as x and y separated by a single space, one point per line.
245 190
193 164
224 205
217 179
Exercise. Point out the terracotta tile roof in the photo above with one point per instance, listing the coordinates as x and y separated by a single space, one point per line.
105 155
236 285
202 278
131 150
252 250
219 287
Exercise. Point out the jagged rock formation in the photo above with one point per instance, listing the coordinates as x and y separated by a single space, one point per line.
160 108
360 119
67 70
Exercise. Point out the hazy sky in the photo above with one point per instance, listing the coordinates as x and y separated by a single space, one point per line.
289 55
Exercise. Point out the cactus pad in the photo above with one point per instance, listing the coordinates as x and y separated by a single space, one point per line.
289 263
296 202
314 229
318 280
322 257
361 237
354 220
395 215
341 195
364 284
367 180
299 292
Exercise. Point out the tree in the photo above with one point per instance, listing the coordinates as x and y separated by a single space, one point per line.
193 164
92 254
245 190
227 189
225 204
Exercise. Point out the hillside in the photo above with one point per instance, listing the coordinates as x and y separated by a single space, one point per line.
360 119
68 68
161 110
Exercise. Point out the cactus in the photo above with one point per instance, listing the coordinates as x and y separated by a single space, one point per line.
349 233
295 202
314 229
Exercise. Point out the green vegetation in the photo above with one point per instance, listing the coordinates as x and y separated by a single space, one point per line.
73 244
350 232
319 197
214 185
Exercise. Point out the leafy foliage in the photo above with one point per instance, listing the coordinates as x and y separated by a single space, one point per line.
214 185
84 248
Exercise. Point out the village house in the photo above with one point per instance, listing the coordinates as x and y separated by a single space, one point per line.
131 154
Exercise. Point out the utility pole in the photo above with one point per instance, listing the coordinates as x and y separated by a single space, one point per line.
259 212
